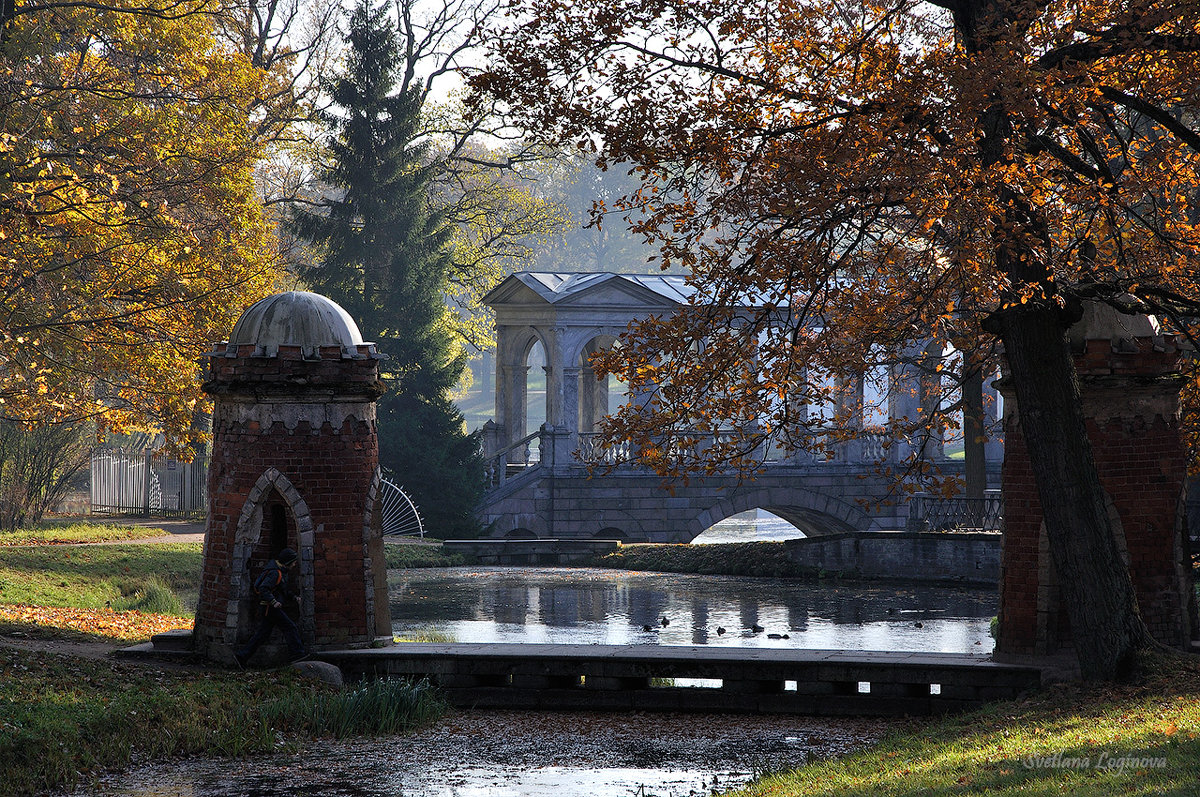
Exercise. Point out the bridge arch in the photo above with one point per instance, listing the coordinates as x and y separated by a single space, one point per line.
813 512
615 523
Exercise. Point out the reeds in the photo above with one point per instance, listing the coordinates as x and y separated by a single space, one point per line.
373 707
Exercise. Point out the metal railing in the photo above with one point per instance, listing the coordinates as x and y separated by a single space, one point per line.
932 513
399 516
138 483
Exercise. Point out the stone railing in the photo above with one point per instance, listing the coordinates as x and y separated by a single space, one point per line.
868 447
874 447
517 457
590 449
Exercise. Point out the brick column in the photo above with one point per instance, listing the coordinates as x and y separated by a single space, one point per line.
1130 383
295 463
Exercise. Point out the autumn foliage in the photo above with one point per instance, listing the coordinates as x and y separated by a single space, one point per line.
126 626
130 232
845 178
831 167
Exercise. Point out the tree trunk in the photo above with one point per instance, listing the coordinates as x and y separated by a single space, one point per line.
1095 583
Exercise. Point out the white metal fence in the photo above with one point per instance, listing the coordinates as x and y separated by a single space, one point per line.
138 483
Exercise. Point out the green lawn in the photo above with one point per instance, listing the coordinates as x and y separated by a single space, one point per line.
1070 739
56 533
92 577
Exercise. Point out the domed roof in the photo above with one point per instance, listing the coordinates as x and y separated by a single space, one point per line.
296 318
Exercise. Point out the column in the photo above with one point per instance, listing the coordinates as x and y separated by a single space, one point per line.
904 404
929 398
555 408
849 414
515 379
993 449
570 401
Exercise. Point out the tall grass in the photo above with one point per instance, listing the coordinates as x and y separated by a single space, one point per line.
401 555
430 635
374 707
62 718
729 559
153 595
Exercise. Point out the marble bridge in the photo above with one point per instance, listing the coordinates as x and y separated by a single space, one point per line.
541 487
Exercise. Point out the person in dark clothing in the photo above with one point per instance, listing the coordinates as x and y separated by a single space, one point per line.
271 589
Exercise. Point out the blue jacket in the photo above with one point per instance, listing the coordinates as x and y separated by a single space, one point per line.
271 584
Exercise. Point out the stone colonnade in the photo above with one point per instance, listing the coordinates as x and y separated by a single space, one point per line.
573 316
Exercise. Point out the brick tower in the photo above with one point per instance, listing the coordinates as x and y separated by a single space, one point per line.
1129 383
294 464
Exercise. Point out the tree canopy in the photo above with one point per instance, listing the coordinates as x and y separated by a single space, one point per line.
130 232
866 174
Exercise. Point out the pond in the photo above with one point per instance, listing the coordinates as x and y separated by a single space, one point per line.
614 607
590 754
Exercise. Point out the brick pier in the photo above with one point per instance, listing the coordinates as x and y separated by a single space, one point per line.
294 464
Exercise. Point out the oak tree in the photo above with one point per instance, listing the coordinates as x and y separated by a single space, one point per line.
845 177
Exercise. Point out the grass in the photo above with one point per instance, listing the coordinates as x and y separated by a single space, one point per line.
1101 740
729 559
153 596
95 577
63 719
401 555
53 533
431 635
373 707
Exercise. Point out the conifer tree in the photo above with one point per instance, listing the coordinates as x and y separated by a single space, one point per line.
384 255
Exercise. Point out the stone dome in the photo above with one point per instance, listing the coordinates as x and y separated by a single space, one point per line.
296 318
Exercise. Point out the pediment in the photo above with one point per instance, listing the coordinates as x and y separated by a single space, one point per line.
513 290
588 289
616 292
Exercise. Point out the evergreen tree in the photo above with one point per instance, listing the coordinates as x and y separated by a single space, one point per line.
384 256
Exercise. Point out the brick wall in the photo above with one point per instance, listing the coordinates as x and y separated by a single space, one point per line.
1130 402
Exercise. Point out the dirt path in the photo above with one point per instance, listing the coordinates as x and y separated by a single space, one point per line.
85 650
177 530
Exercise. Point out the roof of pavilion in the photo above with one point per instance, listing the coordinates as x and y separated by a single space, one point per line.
555 287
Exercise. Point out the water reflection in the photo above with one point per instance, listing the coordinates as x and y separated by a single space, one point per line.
594 606
755 525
